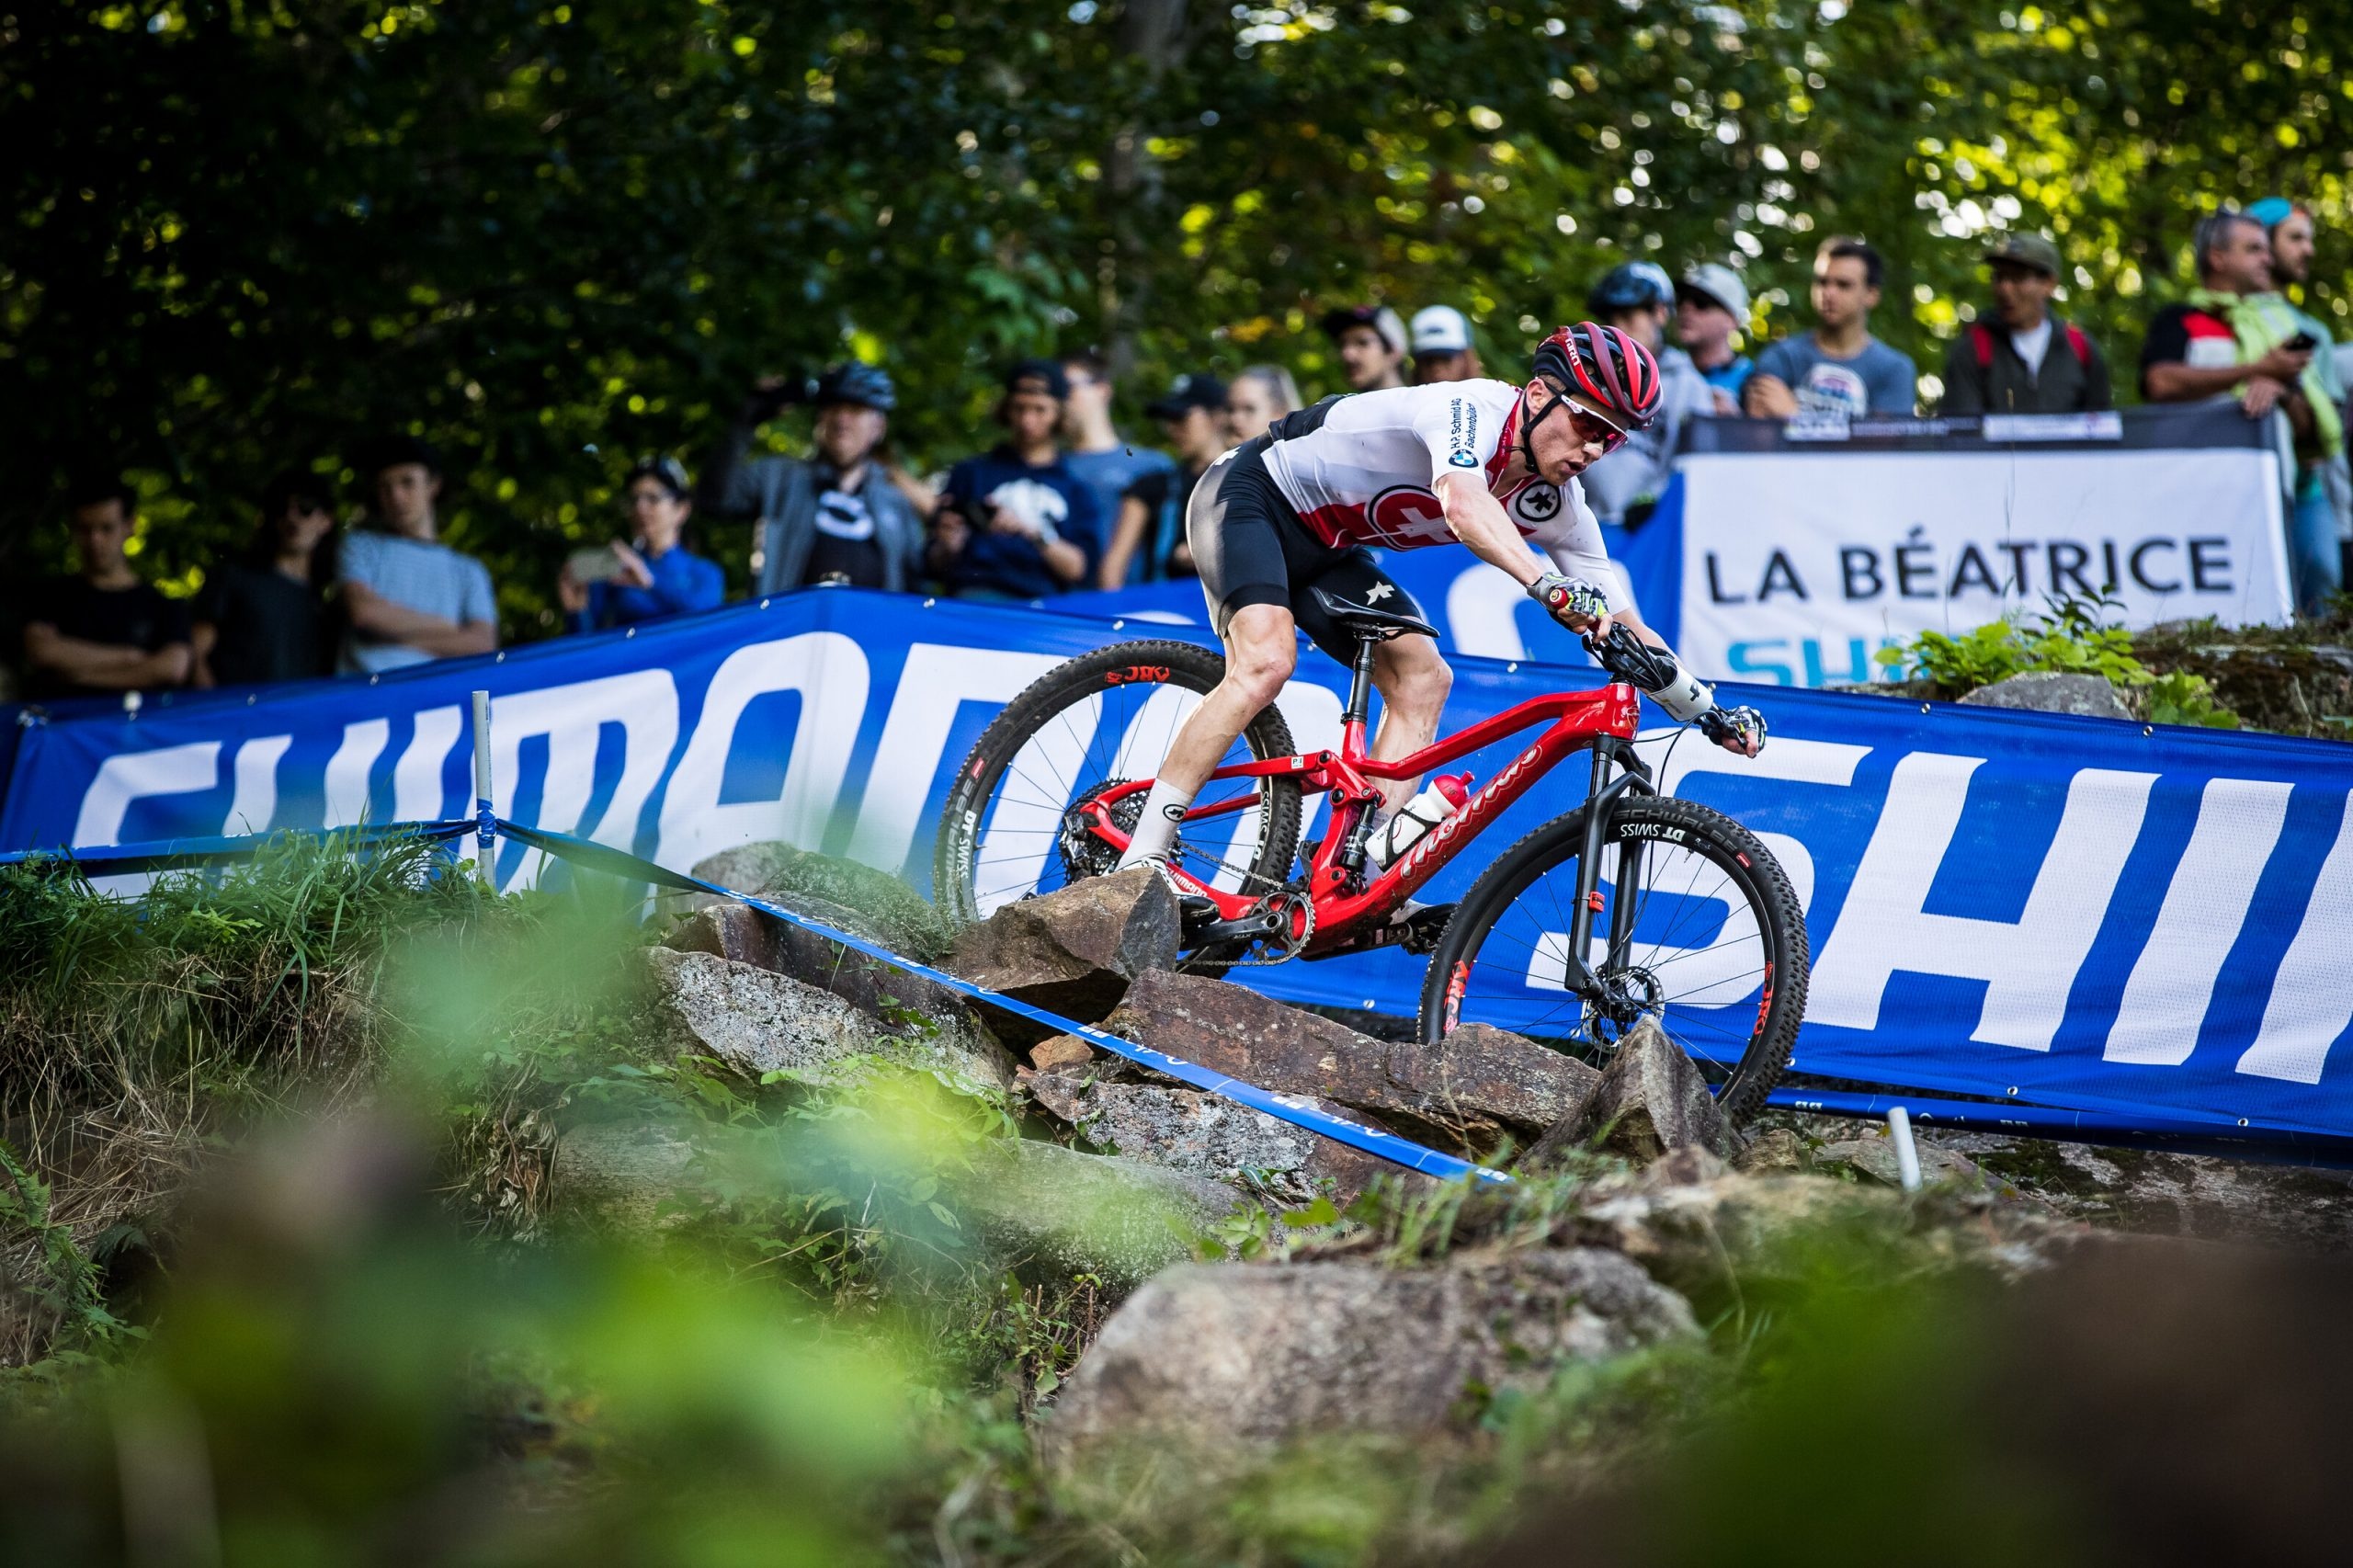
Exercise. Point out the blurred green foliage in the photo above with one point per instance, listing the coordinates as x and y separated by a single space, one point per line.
245 235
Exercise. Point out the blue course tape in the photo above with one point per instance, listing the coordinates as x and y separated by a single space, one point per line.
1290 1108
166 854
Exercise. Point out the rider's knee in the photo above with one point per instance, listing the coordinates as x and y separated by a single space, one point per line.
1257 667
1421 684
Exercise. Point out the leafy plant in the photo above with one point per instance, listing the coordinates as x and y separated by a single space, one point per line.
41 1263
2180 698
2071 637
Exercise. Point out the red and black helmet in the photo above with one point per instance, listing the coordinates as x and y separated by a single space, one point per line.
1606 368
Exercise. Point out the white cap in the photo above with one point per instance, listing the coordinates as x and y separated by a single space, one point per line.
1722 285
1440 329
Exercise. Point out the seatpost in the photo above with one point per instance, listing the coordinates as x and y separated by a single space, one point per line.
1361 685
1359 707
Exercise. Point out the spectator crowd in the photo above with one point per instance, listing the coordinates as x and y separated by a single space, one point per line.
1066 501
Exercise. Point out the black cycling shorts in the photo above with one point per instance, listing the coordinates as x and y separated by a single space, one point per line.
1251 548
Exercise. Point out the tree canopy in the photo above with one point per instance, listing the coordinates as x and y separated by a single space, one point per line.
248 234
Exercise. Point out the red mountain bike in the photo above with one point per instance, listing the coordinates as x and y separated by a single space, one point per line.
1630 906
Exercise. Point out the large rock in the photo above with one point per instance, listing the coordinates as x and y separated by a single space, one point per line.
874 904
1737 1233
1875 1158
762 1022
1060 1211
1206 1358
742 935
2049 691
623 1171
1649 1099
1475 1085
2162 1193
1208 1136
1071 952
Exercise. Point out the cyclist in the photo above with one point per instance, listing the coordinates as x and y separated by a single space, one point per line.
1482 463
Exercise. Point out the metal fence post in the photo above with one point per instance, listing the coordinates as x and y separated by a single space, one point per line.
484 846
1907 1154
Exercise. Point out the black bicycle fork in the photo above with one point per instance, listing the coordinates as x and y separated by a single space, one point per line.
1609 752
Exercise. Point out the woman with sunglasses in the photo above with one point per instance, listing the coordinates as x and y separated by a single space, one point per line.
265 617
1488 464
653 576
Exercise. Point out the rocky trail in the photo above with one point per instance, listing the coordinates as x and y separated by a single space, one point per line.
1098 1314
1652 1214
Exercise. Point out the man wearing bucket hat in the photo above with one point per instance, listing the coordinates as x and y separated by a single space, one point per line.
1710 305
2015 357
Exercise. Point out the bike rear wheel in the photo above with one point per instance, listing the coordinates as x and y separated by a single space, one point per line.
1102 719
1717 954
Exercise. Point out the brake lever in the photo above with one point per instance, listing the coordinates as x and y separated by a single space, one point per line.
1627 658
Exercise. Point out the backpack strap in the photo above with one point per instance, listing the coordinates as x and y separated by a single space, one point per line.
1983 340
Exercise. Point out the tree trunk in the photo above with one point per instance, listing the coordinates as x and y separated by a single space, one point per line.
1152 31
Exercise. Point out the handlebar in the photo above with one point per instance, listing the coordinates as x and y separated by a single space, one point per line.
1627 658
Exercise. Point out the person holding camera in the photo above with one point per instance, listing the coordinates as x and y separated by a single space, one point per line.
657 575
841 515
1015 523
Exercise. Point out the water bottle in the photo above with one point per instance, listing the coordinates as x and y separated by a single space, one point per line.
1441 800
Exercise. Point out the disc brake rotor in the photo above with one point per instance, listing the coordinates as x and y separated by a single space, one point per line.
1636 994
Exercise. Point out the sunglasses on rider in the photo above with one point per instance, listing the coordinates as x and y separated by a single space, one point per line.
1594 428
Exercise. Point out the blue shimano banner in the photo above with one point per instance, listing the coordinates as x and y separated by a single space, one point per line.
2063 912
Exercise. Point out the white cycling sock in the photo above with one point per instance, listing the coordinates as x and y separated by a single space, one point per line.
1163 807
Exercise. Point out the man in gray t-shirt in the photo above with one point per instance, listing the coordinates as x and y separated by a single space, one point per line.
411 598
1839 367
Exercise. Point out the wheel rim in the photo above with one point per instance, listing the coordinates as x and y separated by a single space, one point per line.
1700 957
1016 845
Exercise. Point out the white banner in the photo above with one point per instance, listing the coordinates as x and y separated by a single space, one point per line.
1800 564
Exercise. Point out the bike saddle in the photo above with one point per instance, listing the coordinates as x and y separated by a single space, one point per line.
1368 624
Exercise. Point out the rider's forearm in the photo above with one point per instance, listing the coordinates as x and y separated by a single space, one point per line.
1478 520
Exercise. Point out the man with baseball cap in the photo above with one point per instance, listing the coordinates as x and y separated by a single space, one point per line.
1015 523
2017 357
1371 345
1442 350
1711 306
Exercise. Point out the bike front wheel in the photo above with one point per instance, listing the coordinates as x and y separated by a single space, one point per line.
1716 951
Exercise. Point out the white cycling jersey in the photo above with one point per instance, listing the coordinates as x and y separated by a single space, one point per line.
1364 475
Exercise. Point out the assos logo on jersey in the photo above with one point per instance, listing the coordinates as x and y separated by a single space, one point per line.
1539 503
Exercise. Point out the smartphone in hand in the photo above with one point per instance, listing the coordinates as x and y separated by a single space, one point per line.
2303 342
587 566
